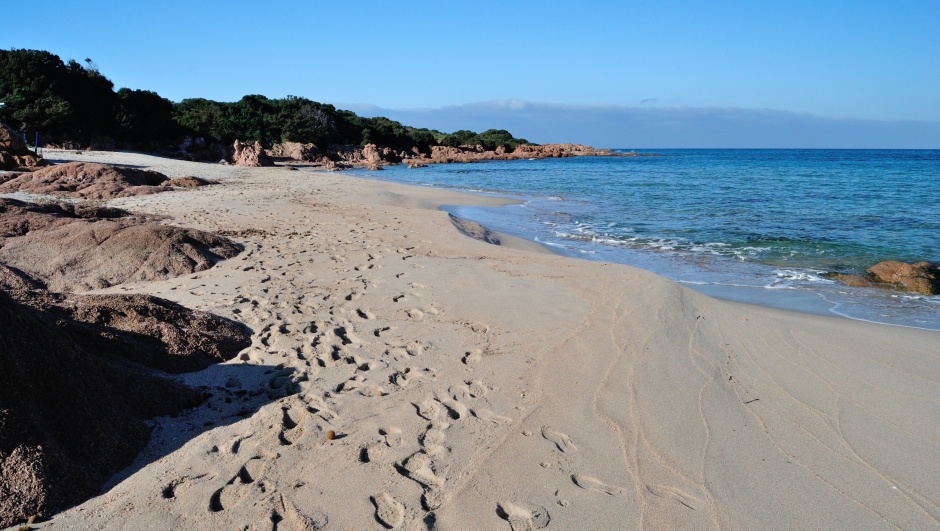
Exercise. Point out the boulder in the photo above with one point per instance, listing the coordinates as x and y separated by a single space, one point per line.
14 153
371 154
18 218
87 180
69 419
297 151
921 277
75 248
151 331
251 155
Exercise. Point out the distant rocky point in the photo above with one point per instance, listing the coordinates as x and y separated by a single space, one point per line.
374 157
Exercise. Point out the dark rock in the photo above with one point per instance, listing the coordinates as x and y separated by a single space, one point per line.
15 154
69 419
922 277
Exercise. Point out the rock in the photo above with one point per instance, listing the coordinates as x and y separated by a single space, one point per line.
76 248
297 151
70 419
922 277
375 165
14 153
17 218
151 331
849 279
87 180
370 154
252 155
188 182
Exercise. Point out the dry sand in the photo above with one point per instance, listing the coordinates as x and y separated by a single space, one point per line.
474 386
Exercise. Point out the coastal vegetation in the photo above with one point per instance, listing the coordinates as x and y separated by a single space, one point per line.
67 101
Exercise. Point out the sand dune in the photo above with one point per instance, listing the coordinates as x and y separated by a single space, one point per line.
477 386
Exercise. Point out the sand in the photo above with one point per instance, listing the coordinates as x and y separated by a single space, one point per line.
473 386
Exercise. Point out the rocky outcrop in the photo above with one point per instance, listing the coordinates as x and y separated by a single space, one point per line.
372 156
296 151
87 180
80 371
143 329
14 154
251 155
69 418
81 253
922 277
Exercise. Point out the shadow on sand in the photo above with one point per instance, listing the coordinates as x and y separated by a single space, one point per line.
233 392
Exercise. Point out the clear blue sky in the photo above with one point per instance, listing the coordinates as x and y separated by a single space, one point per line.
864 59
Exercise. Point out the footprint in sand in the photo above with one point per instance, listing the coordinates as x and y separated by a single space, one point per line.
238 487
675 494
455 409
428 409
460 392
435 434
472 357
523 518
589 483
477 389
284 516
388 511
372 452
418 467
292 430
182 485
561 440
392 436
486 414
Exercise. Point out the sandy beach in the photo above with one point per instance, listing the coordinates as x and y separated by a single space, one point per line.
406 373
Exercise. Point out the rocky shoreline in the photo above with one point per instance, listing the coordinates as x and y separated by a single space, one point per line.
374 157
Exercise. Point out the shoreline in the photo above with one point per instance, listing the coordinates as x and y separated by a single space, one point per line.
472 385
752 282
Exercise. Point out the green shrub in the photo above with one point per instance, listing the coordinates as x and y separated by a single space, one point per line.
75 102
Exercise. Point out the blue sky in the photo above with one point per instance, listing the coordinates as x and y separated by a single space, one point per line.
865 60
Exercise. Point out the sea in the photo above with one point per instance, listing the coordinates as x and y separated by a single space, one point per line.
760 226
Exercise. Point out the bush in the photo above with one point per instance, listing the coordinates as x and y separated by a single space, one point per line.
69 101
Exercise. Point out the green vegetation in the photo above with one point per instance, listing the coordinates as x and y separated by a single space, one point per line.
68 101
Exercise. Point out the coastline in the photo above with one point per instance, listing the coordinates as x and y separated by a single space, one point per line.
557 223
491 384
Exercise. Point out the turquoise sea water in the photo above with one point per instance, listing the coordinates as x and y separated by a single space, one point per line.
758 225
